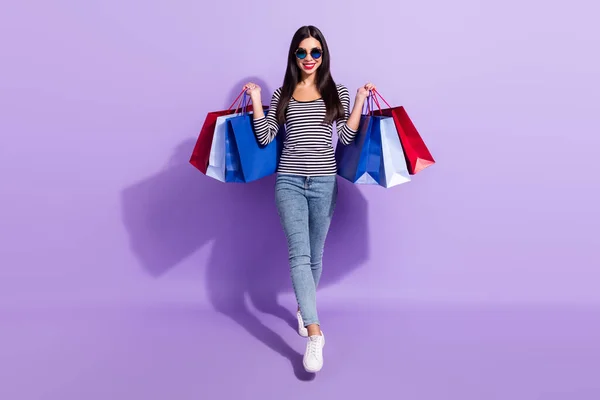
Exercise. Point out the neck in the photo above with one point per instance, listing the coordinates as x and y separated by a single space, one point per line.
308 80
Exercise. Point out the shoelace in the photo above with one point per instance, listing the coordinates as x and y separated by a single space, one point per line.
313 347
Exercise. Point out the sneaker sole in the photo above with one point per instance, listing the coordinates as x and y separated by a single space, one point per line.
312 371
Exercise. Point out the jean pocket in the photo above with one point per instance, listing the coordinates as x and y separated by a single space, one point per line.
283 180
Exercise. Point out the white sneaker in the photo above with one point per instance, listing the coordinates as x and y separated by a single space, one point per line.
302 331
313 357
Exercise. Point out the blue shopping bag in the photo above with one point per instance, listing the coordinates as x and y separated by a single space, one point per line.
233 168
246 160
361 161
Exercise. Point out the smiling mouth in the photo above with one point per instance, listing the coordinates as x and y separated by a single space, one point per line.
309 65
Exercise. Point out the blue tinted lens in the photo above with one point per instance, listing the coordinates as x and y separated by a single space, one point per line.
315 53
301 53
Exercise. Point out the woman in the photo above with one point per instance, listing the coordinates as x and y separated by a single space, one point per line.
306 187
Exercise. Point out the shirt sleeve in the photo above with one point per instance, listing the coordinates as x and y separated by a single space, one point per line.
345 134
266 127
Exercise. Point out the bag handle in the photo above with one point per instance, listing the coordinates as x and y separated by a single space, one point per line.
376 93
369 103
236 99
244 102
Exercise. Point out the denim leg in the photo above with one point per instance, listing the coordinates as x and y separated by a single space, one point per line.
292 206
322 197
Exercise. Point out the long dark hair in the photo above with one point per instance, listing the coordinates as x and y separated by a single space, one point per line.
325 83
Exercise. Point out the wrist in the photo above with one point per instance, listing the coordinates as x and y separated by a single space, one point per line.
255 96
361 97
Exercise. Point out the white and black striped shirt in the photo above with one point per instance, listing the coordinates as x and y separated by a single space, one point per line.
307 146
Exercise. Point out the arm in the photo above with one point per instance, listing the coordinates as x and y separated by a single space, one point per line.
347 126
265 126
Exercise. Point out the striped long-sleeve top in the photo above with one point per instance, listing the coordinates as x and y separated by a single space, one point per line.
307 147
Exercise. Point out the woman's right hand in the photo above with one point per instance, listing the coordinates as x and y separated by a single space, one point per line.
252 89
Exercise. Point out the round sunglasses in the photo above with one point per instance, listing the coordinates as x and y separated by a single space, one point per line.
315 53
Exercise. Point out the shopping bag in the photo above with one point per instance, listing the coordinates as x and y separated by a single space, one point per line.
218 150
202 149
394 162
248 160
233 167
416 152
235 155
360 161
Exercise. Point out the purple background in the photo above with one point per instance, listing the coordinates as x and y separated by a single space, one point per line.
125 273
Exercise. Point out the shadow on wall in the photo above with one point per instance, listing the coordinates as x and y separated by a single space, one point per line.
174 213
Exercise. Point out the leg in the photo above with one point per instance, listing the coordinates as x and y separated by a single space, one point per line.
321 205
292 207
322 196
321 193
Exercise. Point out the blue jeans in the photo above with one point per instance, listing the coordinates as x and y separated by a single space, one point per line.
305 206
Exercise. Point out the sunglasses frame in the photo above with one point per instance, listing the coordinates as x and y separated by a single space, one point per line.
313 50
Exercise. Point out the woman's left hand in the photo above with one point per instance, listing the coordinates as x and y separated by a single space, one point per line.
363 91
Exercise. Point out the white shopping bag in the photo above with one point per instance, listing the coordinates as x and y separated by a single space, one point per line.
394 161
216 159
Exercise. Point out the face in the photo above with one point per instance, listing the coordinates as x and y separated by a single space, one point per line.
309 55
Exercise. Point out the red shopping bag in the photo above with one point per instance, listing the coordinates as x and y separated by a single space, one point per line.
201 153
416 152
